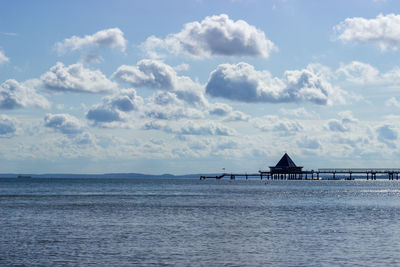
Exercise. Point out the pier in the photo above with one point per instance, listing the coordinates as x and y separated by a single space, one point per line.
286 169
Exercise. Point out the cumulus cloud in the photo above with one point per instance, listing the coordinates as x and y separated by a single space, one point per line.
63 123
190 128
309 143
7 126
358 72
274 123
148 73
220 109
115 108
209 128
76 78
365 74
392 102
344 124
165 105
226 111
387 134
3 58
154 74
384 31
298 112
84 138
241 82
16 95
214 36
111 38
182 67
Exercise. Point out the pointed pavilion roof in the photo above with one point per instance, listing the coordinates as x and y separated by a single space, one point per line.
286 161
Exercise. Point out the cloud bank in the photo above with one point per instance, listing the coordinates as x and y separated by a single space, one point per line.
216 35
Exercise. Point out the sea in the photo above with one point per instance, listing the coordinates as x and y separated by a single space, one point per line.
192 222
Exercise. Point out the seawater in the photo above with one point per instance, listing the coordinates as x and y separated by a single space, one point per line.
188 222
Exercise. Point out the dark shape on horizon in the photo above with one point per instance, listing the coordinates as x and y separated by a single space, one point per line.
286 165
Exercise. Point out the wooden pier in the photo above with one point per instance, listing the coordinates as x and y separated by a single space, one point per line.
287 170
334 174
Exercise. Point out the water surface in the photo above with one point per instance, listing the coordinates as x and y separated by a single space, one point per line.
181 222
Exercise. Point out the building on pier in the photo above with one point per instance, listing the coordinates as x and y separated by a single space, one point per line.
285 165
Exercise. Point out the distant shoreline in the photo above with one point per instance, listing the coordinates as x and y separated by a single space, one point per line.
104 175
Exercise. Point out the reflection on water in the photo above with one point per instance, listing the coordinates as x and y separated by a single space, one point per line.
191 222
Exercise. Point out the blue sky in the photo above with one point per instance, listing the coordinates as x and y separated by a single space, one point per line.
197 86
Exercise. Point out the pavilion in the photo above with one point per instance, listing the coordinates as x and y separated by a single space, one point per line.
286 169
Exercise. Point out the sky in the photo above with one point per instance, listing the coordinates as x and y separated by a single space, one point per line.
198 86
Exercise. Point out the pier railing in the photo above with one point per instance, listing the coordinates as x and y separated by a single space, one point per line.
359 170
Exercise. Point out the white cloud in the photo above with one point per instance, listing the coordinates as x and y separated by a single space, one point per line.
190 128
111 38
274 123
8 126
309 143
214 36
64 123
3 58
298 112
241 82
16 95
226 111
392 102
220 109
387 134
237 115
115 108
76 78
209 128
182 67
344 124
154 74
364 74
384 31
84 138
148 73
359 72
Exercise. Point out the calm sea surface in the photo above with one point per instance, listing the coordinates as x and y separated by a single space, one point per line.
188 222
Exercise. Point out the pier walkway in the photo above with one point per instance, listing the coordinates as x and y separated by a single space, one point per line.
327 174
286 169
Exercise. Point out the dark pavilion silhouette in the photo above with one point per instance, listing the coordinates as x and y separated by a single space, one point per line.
286 165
